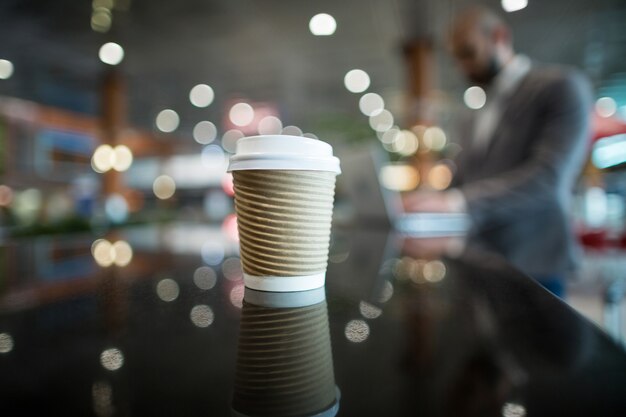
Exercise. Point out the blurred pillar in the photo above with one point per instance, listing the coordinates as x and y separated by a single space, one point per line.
113 120
419 60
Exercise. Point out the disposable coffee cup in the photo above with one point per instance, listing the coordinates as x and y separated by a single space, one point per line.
284 195
284 358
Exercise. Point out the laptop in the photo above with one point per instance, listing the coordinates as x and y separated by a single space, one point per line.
374 204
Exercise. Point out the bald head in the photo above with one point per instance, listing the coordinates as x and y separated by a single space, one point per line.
481 44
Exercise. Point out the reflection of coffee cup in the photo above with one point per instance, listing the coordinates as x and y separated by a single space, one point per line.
284 358
284 193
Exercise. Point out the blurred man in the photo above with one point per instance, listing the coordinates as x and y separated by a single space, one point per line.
522 151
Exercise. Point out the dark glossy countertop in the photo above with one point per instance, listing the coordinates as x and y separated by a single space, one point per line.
411 334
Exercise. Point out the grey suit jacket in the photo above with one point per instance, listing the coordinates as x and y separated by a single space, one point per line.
518 190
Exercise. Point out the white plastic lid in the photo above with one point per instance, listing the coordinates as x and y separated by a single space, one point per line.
283 152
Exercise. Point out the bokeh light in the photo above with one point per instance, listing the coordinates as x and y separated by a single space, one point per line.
434 138
475 97
241 114
202 315
513 5
292 131
230 138
212 252
406 143
204 132
434 271
167 121
122 253
606 107
322 24
6 343
399 177
232 270
236 295
357 331
122 158
371 104
116 208
6 69
369 311
440 176
164 187
111 53
167 290
381 121
386 292
356 81
6 195
270 125
101 19
103 158
112 359
205 278
102 251
201 95
310 135
513 410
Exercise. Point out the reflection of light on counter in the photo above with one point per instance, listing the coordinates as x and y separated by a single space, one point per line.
357 331
112 359
399 177
241 114
236 295
201 95
229 227
102 394
369 311
434 138
386 293
231 268
167 290
6 343
212 252
164 187
513 410
440 177
6 195
270 125
167 120
204 132
205 278
201 315
356 81
475 97
322 24
434 271
371 104
292 131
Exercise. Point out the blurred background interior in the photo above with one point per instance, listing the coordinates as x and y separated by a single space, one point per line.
119 114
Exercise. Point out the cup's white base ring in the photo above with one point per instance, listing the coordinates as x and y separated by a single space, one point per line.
285 284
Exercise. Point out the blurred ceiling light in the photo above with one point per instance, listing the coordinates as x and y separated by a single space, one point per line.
357 331
292 131
230 138
6 69
103 158
204 132
111 53
381 121
205 278
122 158
606 107
356 81
371 104
6 343
241 114
112 359
475 97
201 95
103 252
123 253
399 177
434 138
440 176
167 120
322 24
202 315
164 187
310 135
369 311
270 125
409 144
514 5
101 19
6 195
167 290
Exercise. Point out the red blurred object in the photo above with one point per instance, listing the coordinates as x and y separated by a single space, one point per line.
229 227
602 127
227 184
594 238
